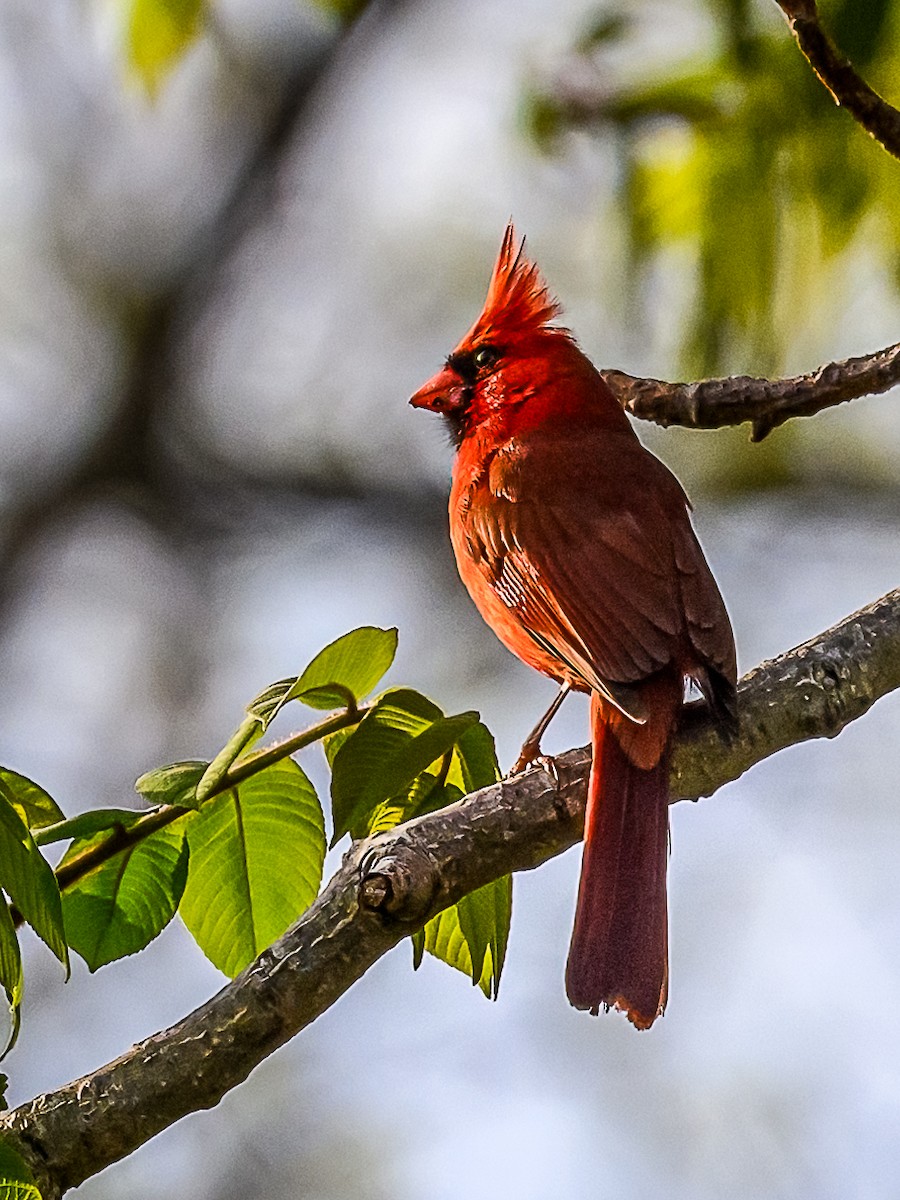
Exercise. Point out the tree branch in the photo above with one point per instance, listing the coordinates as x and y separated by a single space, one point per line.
766 403
390 885
849 90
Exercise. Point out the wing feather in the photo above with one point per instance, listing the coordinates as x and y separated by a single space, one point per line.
584 559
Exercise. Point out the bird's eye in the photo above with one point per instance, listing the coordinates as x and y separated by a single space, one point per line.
485 357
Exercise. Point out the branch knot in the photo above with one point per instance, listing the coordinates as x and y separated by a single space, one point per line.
401 883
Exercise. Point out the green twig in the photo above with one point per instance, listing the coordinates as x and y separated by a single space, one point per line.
260 759
122 838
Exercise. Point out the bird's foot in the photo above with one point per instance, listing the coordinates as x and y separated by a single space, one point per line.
529 754
531 758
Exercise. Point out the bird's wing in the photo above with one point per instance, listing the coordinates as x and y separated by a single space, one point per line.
576 539
707 624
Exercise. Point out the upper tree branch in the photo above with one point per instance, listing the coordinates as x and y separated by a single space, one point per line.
850 91
766 403
389 885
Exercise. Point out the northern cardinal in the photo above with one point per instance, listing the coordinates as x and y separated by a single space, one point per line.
576 546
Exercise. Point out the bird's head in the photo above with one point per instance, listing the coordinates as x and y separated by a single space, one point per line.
488 371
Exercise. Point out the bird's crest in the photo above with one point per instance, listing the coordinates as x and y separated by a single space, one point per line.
518 301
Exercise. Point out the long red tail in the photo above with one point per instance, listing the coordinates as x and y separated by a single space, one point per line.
619 952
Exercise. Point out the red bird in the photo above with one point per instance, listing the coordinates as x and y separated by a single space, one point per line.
576 546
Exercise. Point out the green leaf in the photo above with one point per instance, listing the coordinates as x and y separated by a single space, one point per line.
264 706
338 677
125 902
28 879
397 739
35 806
86 824
398 716
472 935
257 853
260 712
16 1179
349 667
430 792
418 944
175 784
476 755
602 28
159 33
427 793
332 742
484 918
11 976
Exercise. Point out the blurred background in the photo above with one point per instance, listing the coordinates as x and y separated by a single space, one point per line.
228 256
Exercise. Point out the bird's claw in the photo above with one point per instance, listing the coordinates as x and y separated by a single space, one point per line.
542 762
528 756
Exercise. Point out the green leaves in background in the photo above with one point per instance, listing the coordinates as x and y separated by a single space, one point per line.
16 1179
739 172
159 33
125 902
257 853
399 738
346 11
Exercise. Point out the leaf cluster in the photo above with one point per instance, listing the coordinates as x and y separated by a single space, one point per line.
237 845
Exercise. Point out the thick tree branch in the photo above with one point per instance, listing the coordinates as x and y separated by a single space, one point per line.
389 885
766 403
850 91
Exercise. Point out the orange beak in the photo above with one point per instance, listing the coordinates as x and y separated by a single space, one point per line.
444 393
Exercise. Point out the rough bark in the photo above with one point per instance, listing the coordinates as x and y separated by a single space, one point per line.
765 403
390 885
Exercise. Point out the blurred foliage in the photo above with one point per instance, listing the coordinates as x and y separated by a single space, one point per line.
346 11
159 33
739 156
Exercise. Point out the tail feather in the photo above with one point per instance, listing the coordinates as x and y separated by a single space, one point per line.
619 952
